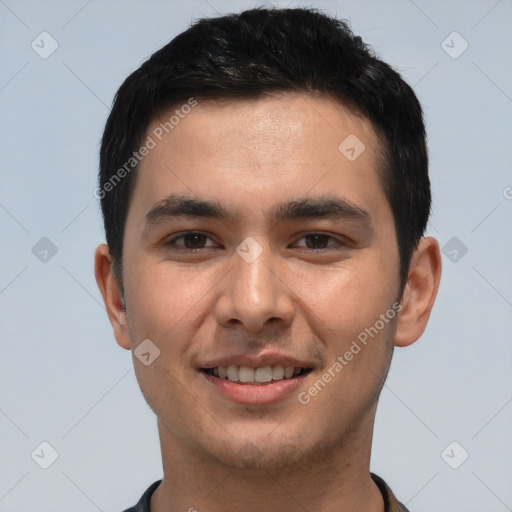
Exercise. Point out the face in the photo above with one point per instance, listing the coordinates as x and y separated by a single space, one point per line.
261 260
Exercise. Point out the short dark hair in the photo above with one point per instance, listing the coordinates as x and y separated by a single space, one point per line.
259 52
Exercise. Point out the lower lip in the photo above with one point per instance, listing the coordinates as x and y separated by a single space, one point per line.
255 394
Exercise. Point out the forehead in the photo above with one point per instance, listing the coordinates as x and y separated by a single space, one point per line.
293 144
292 126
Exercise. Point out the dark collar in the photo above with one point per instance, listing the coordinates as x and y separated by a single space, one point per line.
391 504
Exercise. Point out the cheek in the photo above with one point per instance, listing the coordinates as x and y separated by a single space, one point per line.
344 301
344 310
165 299
165 307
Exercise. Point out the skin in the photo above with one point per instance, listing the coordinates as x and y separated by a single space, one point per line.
195 306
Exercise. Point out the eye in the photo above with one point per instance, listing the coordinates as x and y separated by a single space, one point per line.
192 241
319 242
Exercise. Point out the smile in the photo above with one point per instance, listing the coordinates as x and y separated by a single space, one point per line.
256 385
261 375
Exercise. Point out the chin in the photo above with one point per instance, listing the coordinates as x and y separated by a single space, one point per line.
249 455
268 449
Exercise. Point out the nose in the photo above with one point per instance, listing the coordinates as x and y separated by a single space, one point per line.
255 295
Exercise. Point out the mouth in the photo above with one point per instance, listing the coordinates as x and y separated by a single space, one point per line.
255 385
262 375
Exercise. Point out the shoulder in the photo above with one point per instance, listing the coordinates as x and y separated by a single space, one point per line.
144 503
391 504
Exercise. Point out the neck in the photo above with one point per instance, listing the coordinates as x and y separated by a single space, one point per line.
336 479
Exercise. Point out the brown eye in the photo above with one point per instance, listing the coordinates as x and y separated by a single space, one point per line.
191 241
317 241
194 240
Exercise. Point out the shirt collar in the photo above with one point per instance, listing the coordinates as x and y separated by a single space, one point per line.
391 504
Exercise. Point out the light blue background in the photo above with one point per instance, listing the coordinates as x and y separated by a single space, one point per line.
63 378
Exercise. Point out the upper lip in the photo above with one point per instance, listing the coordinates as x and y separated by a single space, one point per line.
256 361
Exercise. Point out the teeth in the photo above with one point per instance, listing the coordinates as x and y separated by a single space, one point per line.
246 374
278 372
261 375
233 373
288 372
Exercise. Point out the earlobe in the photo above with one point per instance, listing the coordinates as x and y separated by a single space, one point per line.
419 293
111 293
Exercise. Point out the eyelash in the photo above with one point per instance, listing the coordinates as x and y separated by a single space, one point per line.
172 243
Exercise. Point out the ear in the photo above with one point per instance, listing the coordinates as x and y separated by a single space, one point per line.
112 297
419 293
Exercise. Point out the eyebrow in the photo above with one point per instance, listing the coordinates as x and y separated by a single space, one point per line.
182 206
317 207
320 207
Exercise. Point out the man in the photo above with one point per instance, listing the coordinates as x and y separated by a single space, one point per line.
264 185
